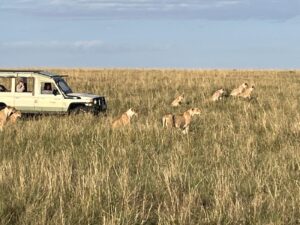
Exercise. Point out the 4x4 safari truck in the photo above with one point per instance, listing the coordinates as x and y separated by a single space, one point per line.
36 91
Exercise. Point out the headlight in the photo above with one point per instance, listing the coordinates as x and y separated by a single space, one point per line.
89 104
95 101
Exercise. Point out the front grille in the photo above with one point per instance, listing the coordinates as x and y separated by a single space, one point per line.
101 103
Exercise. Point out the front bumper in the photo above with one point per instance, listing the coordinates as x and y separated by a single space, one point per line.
99 105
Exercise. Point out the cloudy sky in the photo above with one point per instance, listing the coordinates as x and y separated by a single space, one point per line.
150 33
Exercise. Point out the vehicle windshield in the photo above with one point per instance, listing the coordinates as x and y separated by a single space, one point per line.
62 84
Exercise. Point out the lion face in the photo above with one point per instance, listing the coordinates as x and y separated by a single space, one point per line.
244 85
130 112
195 111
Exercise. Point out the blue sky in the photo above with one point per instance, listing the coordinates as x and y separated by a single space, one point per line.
258 34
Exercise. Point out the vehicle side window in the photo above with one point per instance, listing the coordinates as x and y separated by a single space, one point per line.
47 88
24 84
5 84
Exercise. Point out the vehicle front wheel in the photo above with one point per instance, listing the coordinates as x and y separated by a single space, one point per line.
78 110
2 106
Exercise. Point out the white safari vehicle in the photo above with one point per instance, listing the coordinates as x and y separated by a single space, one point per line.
36 91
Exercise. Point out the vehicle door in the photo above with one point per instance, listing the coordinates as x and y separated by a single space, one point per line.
24 97
48 98
6 91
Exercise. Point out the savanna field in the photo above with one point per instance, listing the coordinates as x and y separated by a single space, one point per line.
239 164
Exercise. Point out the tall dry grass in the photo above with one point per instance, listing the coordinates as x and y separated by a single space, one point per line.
240 164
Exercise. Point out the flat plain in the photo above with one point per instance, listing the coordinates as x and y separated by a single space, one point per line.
240 163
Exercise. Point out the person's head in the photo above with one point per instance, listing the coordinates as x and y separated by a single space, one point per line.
47 86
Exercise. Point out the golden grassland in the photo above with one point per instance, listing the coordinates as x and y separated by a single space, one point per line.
240 163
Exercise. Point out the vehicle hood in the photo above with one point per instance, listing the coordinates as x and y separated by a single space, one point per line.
83 95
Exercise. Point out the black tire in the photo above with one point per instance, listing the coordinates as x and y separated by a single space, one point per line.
79 110
2 106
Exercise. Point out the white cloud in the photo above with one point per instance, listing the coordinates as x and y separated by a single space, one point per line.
86 46
120 9
53 45
114 5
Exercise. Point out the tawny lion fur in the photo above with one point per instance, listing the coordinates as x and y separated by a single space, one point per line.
247 93
168 120
218 95
178 100
14 117
5 113
239 90
124 119
180 121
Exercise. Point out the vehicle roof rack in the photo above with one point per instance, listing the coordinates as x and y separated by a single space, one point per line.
20 70
40 72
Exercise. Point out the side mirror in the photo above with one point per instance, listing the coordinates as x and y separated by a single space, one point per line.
55 92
